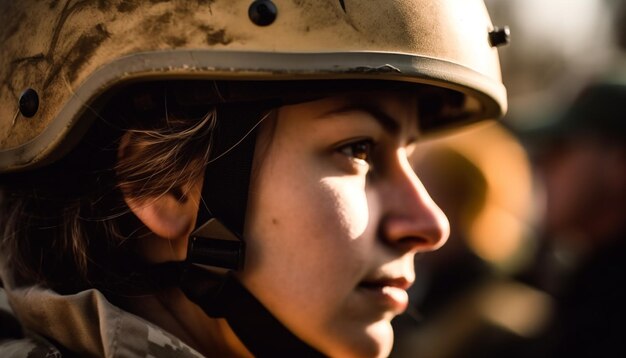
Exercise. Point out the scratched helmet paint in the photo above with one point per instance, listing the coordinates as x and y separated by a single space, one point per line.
59 58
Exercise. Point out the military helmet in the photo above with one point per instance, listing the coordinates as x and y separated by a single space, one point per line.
59 58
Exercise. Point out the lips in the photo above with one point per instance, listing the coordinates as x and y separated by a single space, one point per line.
388 292
400 282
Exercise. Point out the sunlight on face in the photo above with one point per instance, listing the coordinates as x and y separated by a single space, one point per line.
335 217
350 204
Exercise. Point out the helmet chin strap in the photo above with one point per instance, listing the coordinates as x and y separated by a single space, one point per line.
216 249
223 296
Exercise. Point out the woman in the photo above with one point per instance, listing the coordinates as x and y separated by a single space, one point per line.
156 139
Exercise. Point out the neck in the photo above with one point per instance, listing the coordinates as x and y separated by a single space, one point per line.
171 310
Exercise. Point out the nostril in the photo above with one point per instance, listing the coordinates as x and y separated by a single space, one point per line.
421 234
413 241
418 243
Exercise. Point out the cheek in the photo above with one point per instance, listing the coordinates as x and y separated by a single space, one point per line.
349 210
309 233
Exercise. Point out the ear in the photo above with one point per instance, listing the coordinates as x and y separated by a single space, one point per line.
171 215
171 218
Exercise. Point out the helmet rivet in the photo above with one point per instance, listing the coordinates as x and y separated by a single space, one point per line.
500 36
29 102
262 12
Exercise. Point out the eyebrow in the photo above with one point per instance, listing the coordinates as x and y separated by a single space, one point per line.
388 123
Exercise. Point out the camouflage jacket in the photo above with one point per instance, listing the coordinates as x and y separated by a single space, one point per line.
83 324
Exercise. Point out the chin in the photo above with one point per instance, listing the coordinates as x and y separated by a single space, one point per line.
382 334
375 341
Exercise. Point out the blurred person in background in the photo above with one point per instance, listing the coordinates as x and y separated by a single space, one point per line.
581 161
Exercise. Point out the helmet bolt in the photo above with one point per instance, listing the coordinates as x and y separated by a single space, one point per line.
262 12
500 36
29 102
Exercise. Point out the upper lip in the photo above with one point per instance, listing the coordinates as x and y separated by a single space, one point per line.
398 282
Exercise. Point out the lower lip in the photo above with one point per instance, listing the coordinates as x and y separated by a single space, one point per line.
392 298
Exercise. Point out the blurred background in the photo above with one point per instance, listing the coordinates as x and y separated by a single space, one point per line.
536 262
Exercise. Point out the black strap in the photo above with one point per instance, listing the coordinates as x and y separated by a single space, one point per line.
221 295
225 297
227 176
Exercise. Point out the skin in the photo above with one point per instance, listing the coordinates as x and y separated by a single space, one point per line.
334 208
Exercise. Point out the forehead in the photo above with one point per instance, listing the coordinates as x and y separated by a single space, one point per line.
393 108
393 100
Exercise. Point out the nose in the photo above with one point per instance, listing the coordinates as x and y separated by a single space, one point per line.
411 219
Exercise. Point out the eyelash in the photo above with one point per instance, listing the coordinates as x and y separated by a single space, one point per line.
359 151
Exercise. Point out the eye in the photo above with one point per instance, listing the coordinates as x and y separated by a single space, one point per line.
359 151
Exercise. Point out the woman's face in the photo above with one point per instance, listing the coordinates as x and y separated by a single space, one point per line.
335 218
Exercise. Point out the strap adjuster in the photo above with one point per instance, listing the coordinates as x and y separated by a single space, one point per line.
212 244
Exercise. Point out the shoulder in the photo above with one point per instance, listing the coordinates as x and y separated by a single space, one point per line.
48 323
15 344
28 347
